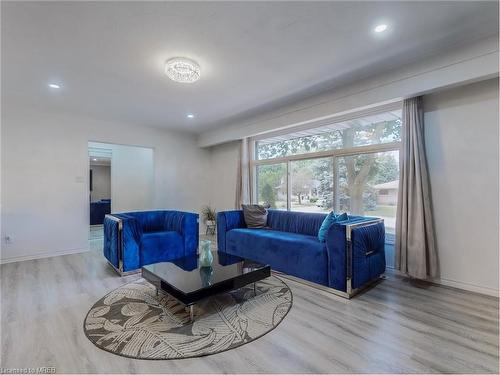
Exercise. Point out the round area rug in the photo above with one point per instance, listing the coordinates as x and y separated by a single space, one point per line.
132 321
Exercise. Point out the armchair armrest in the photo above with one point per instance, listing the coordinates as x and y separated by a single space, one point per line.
122 238
227 220
186 224
356 253
191 232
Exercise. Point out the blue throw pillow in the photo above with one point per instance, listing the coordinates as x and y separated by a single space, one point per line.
342 217
329 220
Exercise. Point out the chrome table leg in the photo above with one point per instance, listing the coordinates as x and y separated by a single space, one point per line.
191 313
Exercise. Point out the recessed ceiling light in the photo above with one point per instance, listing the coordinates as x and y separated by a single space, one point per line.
380 28
94 159
54 86
181 69
190 115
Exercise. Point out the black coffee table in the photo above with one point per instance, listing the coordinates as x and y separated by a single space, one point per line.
189 283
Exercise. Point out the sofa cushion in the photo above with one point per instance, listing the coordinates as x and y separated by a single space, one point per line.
293 253
295 222
160 246
331 218
255 215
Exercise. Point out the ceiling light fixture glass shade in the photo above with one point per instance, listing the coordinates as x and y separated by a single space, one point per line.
181 69
380 28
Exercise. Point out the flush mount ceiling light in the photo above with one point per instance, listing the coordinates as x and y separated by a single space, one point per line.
54 86
190 115
181 69
380 28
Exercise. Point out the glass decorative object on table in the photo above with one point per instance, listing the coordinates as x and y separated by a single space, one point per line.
207 276
206 258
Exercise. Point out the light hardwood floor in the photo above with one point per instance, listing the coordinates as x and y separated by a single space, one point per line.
394 327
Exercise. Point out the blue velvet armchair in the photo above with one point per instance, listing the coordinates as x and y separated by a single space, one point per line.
352 257
135 239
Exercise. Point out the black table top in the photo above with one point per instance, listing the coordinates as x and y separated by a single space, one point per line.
188 282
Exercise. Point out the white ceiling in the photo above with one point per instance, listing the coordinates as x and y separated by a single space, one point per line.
109 56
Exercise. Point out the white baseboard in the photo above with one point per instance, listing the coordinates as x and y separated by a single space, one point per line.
467 286
457 284
43 255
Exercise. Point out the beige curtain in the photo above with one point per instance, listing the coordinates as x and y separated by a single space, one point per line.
415 240
243 182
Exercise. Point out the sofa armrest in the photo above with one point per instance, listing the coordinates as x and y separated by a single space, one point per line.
227 220
356 253
368 253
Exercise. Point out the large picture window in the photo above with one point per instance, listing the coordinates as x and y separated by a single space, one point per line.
349 166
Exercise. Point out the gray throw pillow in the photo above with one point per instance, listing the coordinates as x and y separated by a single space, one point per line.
255 215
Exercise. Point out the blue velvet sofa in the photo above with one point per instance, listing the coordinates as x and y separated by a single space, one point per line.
98 210
135 239
352 257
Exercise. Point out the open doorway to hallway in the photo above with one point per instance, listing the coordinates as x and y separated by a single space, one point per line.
99 190
121 179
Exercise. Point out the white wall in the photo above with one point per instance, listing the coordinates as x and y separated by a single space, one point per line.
45 177
462 133
224 164
101 182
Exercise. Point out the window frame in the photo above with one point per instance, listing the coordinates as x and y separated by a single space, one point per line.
335 153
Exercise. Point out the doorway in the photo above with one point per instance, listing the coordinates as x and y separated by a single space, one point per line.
121 179
99 189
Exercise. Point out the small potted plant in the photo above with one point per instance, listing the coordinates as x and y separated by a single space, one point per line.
209 216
